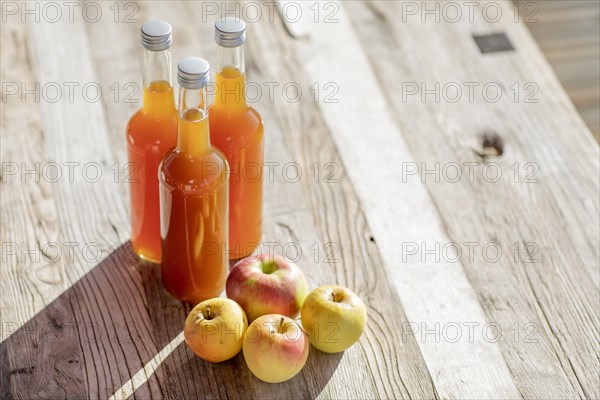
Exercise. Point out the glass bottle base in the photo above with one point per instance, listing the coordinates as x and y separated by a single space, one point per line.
146 258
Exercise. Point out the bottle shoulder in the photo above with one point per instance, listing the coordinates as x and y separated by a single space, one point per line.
248 114
142 117
235 130
146 129
252 111
195 175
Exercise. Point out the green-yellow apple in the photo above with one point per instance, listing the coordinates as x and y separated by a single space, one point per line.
265 284
334 318
275 348
215 328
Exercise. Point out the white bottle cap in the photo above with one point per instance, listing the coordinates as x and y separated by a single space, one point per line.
230 32
156 35
193 72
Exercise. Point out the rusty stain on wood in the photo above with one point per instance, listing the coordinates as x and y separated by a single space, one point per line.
493 43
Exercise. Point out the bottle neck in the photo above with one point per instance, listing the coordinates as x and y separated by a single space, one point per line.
230 91
193 137
158 84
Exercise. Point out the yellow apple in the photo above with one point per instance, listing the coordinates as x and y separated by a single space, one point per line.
215 328
334 318
275 348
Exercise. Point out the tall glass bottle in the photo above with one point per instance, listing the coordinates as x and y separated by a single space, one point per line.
194 190
237 130
151 132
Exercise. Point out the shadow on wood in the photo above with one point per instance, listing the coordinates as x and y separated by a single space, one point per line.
106 327
188 376
95 336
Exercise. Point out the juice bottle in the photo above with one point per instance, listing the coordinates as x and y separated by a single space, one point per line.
237 130
194 190
151 132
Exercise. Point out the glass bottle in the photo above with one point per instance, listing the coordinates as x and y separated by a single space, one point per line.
194 190
151 132
237 130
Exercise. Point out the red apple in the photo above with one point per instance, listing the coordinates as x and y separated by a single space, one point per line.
265 284
275 348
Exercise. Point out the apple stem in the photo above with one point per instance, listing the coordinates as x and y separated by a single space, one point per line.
208 312
333 296
280 330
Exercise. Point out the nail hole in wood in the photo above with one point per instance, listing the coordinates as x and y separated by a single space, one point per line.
492 144
55 323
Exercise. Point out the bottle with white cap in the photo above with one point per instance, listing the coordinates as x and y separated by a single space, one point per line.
194 196
237 130
151 132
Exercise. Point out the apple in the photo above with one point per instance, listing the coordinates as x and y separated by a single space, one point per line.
334 318
215 328
275 348
265 284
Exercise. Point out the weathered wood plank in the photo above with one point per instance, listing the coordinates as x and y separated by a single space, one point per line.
289 224
569 35
352 253
368 142
28 212
74 134
102 335
330 376
557 213
88 341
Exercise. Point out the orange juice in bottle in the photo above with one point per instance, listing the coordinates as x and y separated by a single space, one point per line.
194 196
151 132
237 130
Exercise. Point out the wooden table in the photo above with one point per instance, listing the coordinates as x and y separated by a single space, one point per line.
477 285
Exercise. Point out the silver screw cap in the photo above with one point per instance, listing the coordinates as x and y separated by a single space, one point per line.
193 72
230 32
156 35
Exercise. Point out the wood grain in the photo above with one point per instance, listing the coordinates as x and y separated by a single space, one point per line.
568 33
23 275
352 259
95 328
81 319
425 289
291 225
558 293
287 225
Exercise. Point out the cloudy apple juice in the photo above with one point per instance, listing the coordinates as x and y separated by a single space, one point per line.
237 130
194 196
